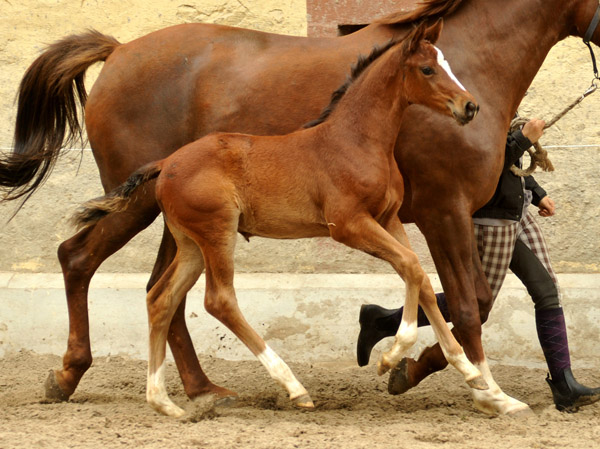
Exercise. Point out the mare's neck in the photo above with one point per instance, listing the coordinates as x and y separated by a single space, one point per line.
496 48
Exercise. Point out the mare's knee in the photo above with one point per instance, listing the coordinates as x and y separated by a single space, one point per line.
485 304
468 319
72 259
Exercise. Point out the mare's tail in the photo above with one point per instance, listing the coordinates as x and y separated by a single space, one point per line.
117 199
47 113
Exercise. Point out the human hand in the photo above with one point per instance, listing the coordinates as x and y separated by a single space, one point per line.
546 207
534 129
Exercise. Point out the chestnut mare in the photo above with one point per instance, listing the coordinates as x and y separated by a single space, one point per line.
170 87
337 178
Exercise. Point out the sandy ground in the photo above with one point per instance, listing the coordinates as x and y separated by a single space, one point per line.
353 410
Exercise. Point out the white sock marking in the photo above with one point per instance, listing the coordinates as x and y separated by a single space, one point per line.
494 401
282 373
157 396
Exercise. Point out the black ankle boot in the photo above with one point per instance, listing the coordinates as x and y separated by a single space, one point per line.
376 323
569 394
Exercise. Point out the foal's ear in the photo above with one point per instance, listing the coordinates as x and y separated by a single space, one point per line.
432 34
415 37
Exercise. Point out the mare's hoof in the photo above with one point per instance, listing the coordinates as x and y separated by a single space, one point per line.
399 382
304 402
228 401
221 393
53 392
478 383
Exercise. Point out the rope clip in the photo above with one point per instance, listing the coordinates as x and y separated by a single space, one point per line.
590 89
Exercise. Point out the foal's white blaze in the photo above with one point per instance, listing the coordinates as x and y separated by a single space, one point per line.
156 394
282 373
494 401
444 64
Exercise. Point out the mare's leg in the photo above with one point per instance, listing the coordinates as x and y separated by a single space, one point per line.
195 382
162 301
79 257
450 241
451 349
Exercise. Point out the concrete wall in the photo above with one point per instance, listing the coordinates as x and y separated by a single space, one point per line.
304 317
28 243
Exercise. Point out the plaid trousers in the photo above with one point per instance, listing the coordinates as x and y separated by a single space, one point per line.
497 243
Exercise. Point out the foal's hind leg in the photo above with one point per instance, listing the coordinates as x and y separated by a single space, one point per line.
162 301
195 382
80 256
221 302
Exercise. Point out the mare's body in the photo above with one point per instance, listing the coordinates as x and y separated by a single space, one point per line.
337 178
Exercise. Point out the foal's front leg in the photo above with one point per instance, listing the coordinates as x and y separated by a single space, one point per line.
452 350
365 234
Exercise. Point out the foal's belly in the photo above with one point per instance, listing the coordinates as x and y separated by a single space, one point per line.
279 221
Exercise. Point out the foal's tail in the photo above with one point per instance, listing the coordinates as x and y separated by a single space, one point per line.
47 103
117 199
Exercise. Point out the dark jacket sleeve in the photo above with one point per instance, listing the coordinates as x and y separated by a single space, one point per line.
516 145
536 190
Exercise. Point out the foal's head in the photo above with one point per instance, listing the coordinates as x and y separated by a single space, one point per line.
429 80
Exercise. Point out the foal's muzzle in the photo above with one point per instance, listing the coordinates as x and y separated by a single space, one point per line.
467 113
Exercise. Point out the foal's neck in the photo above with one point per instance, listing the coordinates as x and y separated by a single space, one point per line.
370 112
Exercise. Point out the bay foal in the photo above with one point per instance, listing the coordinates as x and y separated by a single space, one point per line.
337 178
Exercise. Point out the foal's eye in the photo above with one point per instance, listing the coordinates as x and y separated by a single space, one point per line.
427 70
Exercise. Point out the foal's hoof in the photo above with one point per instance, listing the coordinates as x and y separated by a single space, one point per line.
478 383
382 368
53 392
304 402
384 364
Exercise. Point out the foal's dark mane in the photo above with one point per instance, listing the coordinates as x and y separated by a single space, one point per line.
426 10
357 69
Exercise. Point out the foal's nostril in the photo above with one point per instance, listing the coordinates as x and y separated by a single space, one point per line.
471 109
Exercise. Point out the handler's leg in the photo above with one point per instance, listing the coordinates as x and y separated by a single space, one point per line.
531 264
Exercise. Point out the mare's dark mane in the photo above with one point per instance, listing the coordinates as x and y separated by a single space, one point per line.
426 10
357 69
